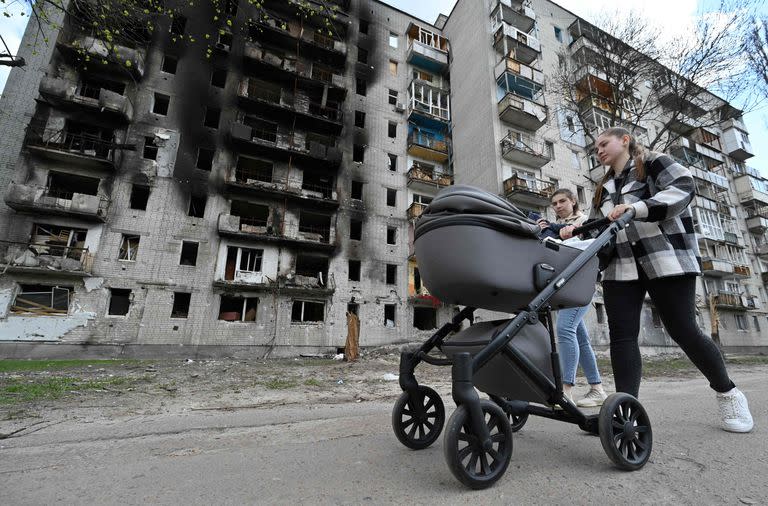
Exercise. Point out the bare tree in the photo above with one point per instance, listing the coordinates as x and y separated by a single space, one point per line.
758 53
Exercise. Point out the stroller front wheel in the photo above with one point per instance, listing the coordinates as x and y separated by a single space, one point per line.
625 431
472 464
418 420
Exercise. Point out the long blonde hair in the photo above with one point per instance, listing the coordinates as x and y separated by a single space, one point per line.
635 150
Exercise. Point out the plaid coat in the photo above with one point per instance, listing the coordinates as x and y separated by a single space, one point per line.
661 237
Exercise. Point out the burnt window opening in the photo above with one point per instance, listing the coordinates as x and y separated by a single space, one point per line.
178 24
391 197
317 184
362 55
88 139
230 7
119 301
205 158
355 230
392 162
319 225
392 97
360 119
212 116
160 104
358 153
219 78
129 247
312 266
357 190
238 309
391 274
181 301
361 86
392 129
416 280
42 299
139 197
169 64
251 215
363 27
354 270
424 318
150 148
189 253
64 186
353 308
389 315
224 41
64 242
261 129
250 170
307 311
391 235
91 87
197 206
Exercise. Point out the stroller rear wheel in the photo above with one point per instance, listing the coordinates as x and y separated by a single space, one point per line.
517 422
625 431
418 420
473 465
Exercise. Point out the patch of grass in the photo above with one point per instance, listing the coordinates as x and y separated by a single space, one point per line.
312 382
56 365
747 360
20 390
279 384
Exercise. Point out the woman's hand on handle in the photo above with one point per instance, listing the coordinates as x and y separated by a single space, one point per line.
567 232
617 211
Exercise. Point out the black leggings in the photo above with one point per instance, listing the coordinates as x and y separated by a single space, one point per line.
674 299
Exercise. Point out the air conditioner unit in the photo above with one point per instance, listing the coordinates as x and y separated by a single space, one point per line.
399 107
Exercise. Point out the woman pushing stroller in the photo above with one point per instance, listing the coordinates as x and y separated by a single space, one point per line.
656 253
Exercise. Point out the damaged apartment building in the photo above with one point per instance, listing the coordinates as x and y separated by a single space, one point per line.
249 199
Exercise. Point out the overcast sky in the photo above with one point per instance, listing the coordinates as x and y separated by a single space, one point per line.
673 15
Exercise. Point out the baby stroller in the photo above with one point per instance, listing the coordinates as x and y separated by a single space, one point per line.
477 250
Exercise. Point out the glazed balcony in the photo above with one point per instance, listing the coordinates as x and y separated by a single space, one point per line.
426 179
531 192
46 259
509 40
736 140
99 101
516 13
76 149
255 182
116 60
43 200
525 150
428 105
757 219
751 189
294 234
425 146
294 145
523 112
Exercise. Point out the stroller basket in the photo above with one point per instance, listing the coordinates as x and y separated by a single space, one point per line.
475 249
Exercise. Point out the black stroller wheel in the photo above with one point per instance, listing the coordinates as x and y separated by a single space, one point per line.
517 422
471 464
625 431
418 420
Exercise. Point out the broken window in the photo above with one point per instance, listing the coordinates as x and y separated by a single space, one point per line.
160 104
307 311
251 170
389 315
354 270
260 129
391 274
392 162
361 86
181 301
139 197
197 206
252 216
62 242
363 27
317 184
391 197
89 140
312 266
219 78
238 309
250 259
91 87
150 148
362 55
355 229
42 300
169 64
315 226
357 190
205 158
189 253
392 129
392 97
119 301
360 119
212 116
178 23
358 153
391 235
424 318
129 246
64 186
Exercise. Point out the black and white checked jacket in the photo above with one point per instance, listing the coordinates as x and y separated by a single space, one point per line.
661 237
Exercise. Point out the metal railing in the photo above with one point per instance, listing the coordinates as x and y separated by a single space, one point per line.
428 175
45 256
257 177
428 141
82 144
538 186
524 143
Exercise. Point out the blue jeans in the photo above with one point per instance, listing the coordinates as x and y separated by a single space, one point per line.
574 347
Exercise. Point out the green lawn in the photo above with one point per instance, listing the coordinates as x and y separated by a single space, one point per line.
57 365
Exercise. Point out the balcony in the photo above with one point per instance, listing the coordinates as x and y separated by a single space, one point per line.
46 259
415 210
427 49
117 60
61 92
741 270
757 219
533 192
751 302
40 200
294 234
76 149
255 96
298 146
285 33
428 106
426 146
529 75
426 179
761 250
294 285
286 68
510 41
516 13
728 300
254 182
751 190
736 140
717 268
523 112
524 150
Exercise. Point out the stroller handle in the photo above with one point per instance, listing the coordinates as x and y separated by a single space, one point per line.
625 218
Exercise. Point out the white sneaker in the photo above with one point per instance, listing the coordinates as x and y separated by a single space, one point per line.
734 411
592 399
